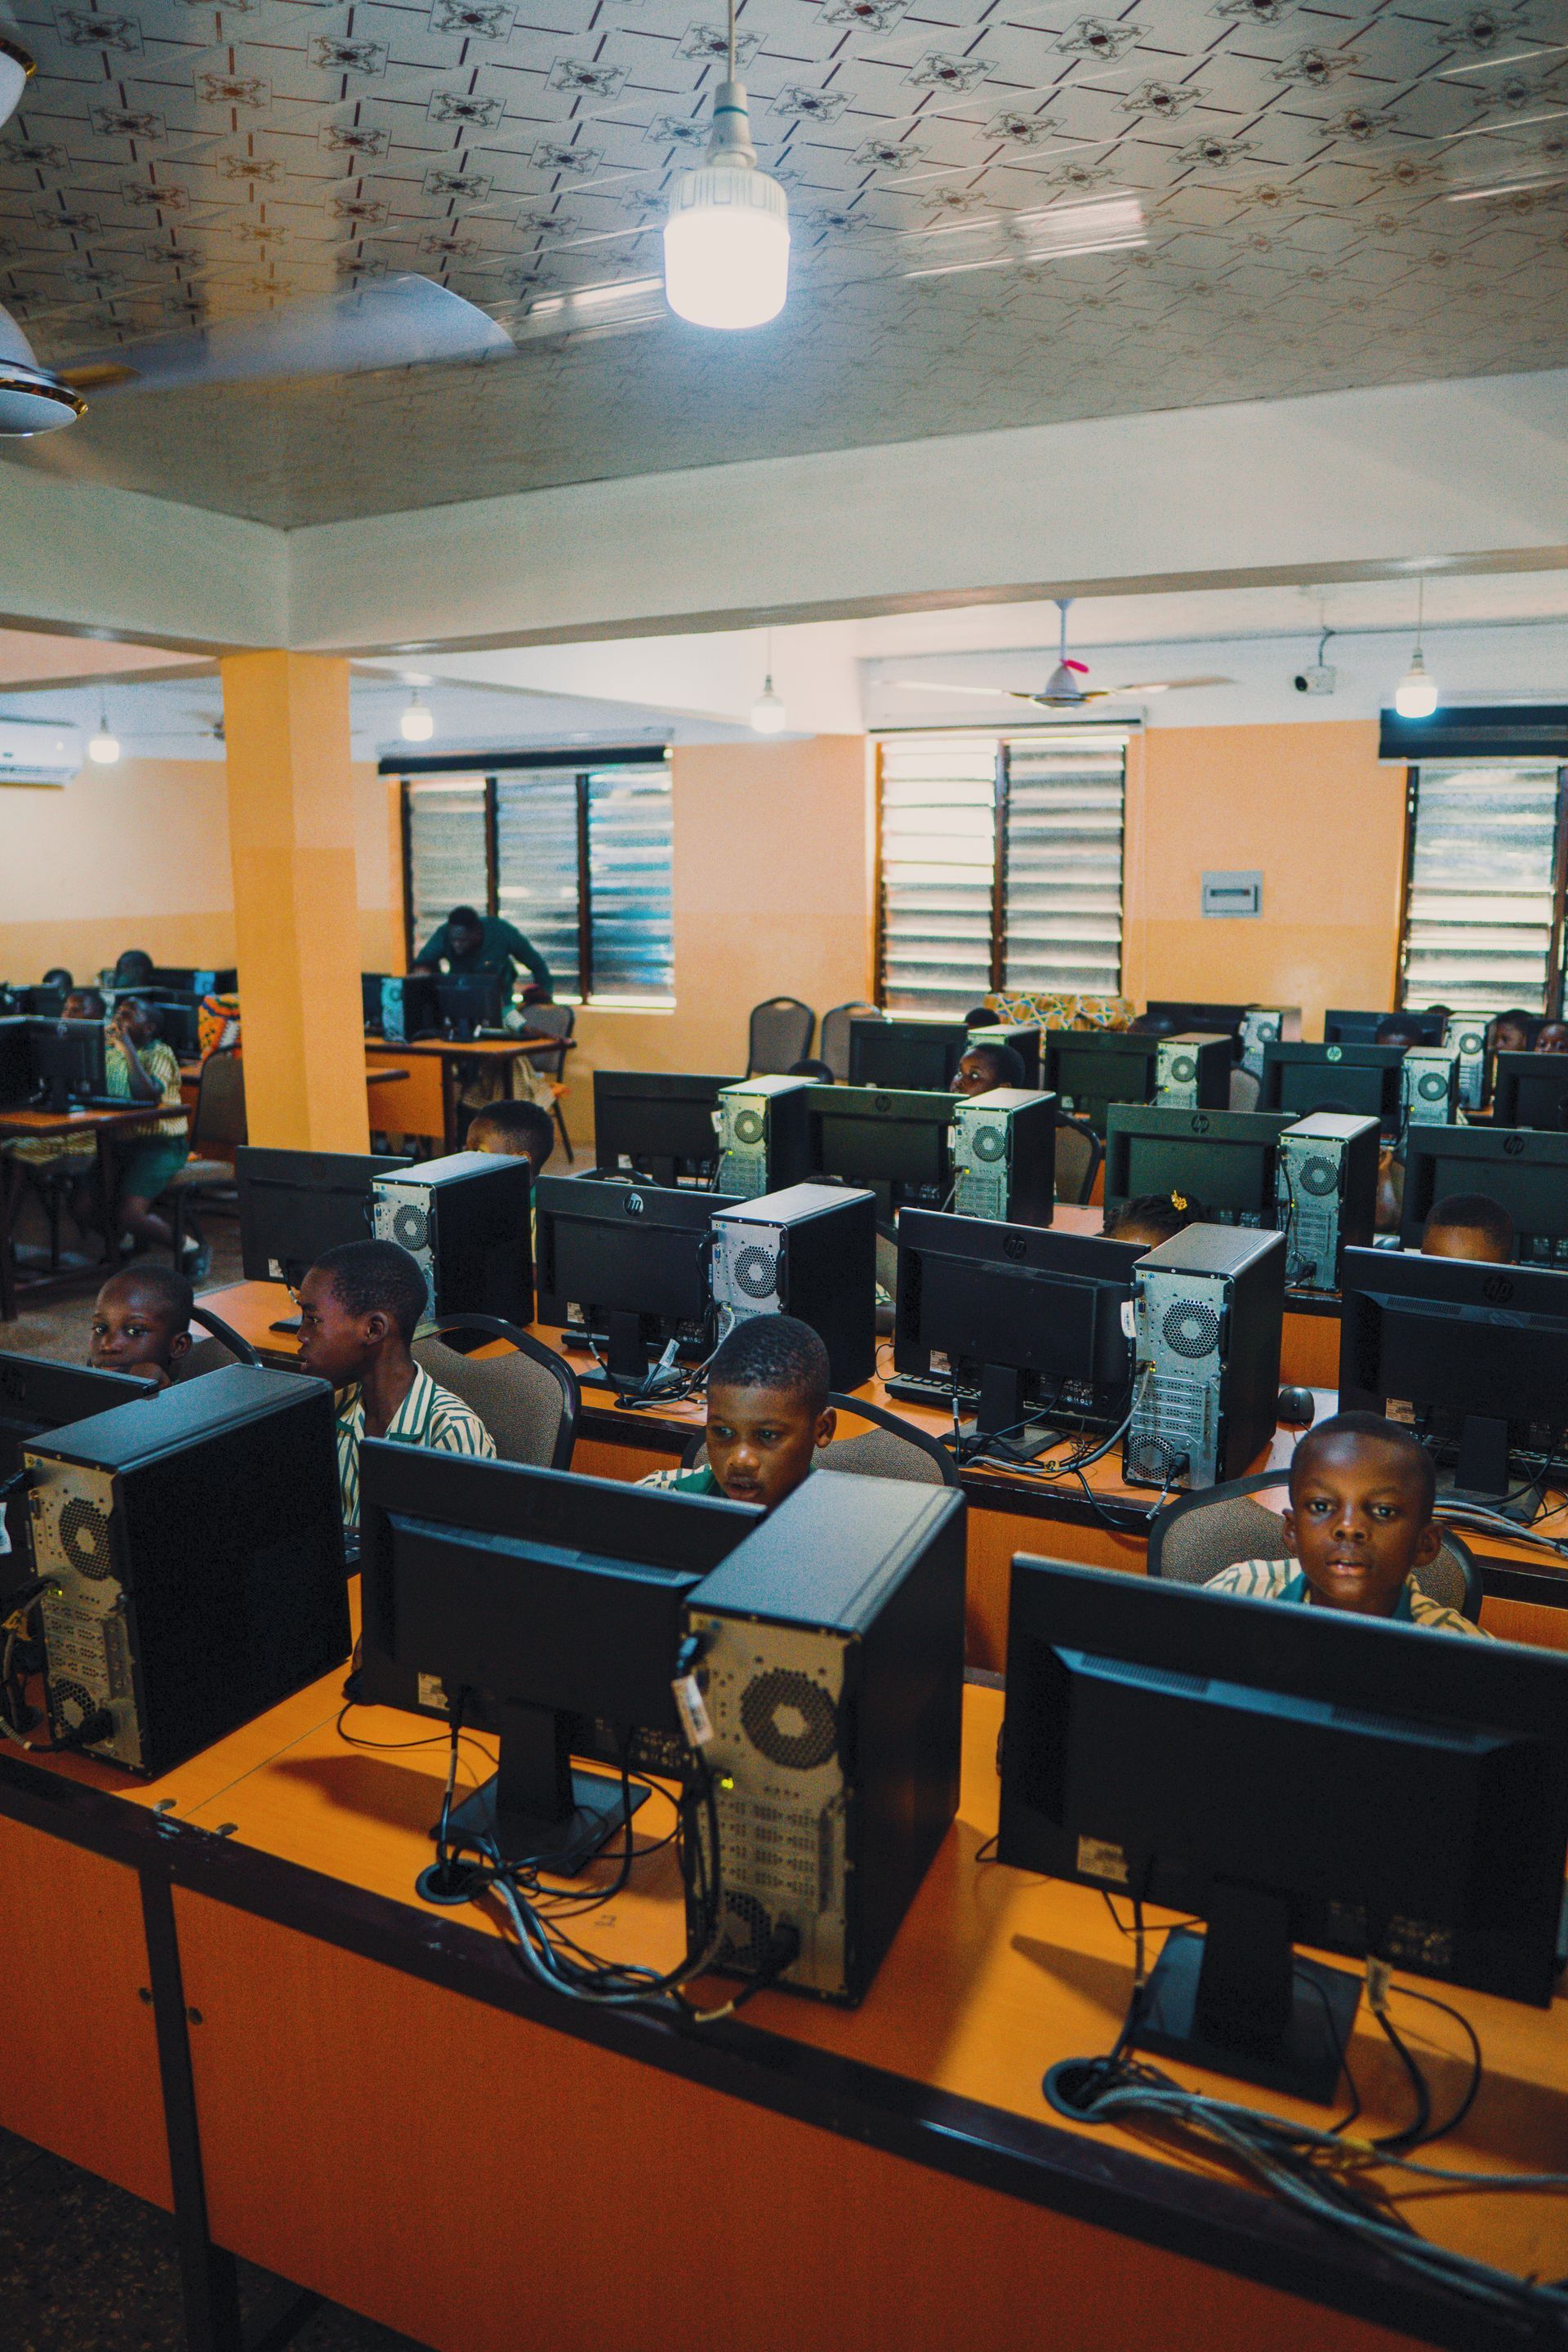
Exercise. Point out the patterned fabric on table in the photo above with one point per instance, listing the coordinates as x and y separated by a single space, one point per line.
1281 1579
1049 1011
428 1415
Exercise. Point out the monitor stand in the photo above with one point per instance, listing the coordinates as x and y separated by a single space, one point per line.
1002 1406
1480 1475
625 1352
1241 2002
536 1808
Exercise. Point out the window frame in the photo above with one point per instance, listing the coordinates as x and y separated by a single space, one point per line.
1557 938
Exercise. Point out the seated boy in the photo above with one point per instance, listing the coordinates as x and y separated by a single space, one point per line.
1359 1523
360 1306
1470 1225
1151 1218
1400 1029
985 1068
140 1323
139 1068
520 1131
767 1413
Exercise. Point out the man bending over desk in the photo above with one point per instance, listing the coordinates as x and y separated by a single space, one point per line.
359 1308
767 1414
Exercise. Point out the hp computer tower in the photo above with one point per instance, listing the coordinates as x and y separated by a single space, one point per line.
408 1006
1208 1307
1465 1036
833 1673
196 1544
1005 1157
764 1137
1192 1072
810 1251
1430 1085
467 1220
1328 1195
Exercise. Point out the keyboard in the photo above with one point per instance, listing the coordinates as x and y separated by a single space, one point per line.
928 1388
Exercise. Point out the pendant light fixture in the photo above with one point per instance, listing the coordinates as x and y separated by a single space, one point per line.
768 713
726 242
103 749
417 723
16 68
1416 696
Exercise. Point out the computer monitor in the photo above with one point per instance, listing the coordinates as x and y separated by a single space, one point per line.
295 1204
657 1123
1291 1776
37 1395
550 1606
179 1023
1530 1090
17 1074
1226 1160
370 1000
1524 1170
1205 1020
1089 1069
1361 1081
467 1001
894 1142
1356 1028
196 979
624 1267
913 1055
1473 1356
1030 1323
68 1060
43 1003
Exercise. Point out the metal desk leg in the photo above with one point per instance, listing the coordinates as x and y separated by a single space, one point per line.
106 1189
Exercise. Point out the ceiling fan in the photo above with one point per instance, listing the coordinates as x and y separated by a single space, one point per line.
1063 691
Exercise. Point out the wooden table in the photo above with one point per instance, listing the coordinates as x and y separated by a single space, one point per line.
30 1126
430 1105
191 1084
228 1999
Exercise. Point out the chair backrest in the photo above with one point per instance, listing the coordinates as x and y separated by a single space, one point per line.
781 1033
222 1346
529 1399
552 1020
220 1102
1199 1535
834 1039
891 1448
1244 1088
1079 1154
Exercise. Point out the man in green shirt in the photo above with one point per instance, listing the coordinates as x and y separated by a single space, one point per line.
468 941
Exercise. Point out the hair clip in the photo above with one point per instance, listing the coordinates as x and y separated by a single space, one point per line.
1178 1201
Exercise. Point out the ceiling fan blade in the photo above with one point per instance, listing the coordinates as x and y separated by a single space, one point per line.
1165 685
391 322
927 686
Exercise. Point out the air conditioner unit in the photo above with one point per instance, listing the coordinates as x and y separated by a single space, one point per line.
38 751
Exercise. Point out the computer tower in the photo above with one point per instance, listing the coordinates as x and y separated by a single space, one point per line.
1192 1072
467 1220
833 1673
196 1540
810 1251
764 1137
1005 1157
1208 1307
1261 1026
1430 1084
409 1006
1465 1036
1328 1195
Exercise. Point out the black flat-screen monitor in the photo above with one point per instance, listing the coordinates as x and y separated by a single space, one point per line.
1202 1020
1474 1356
656 1123
196 979
369 1000
295 1204
1089 1069
1357 1028
18 1072
626 1266
37 1395
469 1001
1524 1170
1530 1090
916 1056
43 1003
68 1059
1029 1321
1226 1159
894 1141
547 1606
179 1023
1292 1776
1359 1081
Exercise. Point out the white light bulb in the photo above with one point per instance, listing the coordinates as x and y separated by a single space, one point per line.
768 712
416 724
1416 696
103 747
726 243
16 65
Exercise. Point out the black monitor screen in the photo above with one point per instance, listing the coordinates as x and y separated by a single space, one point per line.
1525 1172
858 1145
1061 1325
659 1122
1237 1178
1530 1090
295 1204
630 1269
921 1055
18 1070
68 1060
472 1000
1087 1075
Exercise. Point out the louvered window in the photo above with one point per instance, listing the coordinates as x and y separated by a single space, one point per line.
951 927
447 867
1482 914
536 867
630 838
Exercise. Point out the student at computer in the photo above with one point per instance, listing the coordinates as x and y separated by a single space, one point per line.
1151 1218
1400 1029
360 1306
768 1414
1513 1032
141 1324
1359 1526
520 1131
1468 1225
985 1068
1551 1037
139 1068
470 942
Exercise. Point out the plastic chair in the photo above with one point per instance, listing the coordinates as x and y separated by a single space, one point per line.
223 1346
891 1448
781 1033
1244 1088
528 1400
834 1038
219 1119
1079 1154
556 1021
1194 1538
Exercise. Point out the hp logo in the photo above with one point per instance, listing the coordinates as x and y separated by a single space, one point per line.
1496 1290
1334 1053
1514 1145
1015 1246
1200 1124
636 1204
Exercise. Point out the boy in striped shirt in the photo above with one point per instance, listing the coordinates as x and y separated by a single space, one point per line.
1358 1524
360 1306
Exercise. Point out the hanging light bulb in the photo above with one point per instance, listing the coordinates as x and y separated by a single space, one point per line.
416 724
15 69
768 712
103 749
726 242
1416 696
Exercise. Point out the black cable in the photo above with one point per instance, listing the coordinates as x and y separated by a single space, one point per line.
1441 2131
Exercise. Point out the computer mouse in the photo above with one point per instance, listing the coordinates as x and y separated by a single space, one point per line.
1296 1408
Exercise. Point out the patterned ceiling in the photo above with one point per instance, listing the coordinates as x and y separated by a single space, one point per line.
1304 170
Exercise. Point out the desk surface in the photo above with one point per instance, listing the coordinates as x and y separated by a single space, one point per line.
477 1049
72 1122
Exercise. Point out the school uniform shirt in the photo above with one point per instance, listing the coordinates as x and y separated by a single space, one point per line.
1281 1579
428 1415
168 1121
